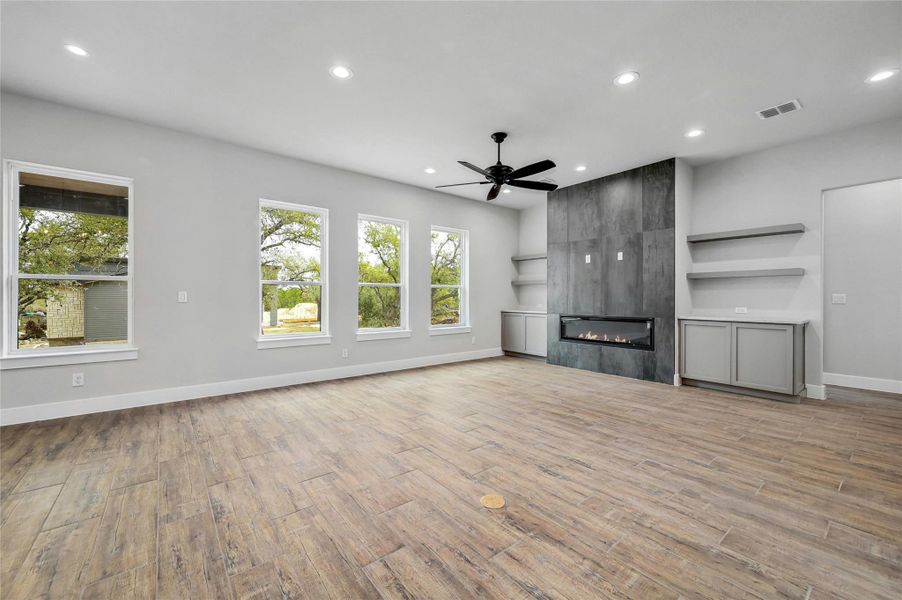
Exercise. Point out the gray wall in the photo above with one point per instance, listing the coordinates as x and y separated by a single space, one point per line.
197 198
632 212
863 260
774 186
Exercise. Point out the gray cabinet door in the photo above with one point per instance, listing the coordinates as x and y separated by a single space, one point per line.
536 335
705 350
513 332
763 357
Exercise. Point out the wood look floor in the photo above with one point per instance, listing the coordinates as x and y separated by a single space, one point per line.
370 488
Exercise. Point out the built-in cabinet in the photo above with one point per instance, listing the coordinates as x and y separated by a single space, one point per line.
764 356
524 332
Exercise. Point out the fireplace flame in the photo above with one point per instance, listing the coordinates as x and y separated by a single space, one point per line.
591 335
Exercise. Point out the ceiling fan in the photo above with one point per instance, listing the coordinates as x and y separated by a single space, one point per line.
499 174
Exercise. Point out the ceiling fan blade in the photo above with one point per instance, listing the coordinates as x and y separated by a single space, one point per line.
534 185
542 165
468 183
493 193
474 167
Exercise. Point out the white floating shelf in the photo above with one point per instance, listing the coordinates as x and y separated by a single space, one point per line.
793 272
523 257
738 234
529 281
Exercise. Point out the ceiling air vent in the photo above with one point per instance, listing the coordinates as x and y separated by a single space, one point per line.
780 109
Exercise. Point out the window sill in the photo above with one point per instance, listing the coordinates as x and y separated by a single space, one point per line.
450 330
382 334
74 357
287 342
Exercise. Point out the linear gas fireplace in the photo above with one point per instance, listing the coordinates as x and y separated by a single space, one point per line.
627 332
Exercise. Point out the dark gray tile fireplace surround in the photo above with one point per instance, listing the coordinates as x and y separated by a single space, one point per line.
633 213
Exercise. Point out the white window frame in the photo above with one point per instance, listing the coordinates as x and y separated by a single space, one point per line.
383 333
464 287
14 358
296 339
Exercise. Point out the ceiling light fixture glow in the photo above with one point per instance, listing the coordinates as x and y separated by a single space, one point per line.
76 50
429 170
579 168
694 133
626 78
341 72
881 75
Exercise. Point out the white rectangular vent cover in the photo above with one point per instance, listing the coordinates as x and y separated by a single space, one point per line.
780 109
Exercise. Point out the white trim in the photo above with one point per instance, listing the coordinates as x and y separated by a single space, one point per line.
365 335
449 329
48 277
300 339
56 410
287 341
9 241
404 284
864 383
815 392
66 357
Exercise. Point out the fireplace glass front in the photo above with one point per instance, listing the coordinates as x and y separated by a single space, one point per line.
627 332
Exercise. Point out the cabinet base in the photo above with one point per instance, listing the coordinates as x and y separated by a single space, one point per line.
523 355
720 387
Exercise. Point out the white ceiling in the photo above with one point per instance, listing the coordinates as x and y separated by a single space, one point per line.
433 80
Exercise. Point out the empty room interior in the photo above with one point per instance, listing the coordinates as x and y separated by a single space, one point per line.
446 300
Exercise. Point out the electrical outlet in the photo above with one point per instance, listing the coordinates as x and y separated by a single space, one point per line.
344 353
620 256
78 379
838 298
741 310
183 296
588 258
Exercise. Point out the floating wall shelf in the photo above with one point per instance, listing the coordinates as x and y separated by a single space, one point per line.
523 257
737 234
529 281
793 272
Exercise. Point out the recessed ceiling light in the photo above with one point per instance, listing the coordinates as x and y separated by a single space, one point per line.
579 168
341 72
626 78
693 133
505 191
76 50
429 170
881 75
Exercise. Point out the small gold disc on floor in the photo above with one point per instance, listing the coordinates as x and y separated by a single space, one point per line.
492 501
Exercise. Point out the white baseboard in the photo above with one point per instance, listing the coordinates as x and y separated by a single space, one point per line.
84 406
815 392
864 383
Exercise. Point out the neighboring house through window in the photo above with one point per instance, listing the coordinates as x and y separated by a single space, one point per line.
68 266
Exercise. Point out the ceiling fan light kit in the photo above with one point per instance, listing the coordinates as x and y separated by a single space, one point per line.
500 174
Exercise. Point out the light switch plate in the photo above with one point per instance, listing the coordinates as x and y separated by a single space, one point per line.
588 258
620 256
838 298
183 296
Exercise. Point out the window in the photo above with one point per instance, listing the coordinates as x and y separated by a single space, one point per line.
67 268
382 278
293 291
449 280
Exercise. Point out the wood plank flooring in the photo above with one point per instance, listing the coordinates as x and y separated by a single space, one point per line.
370 487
